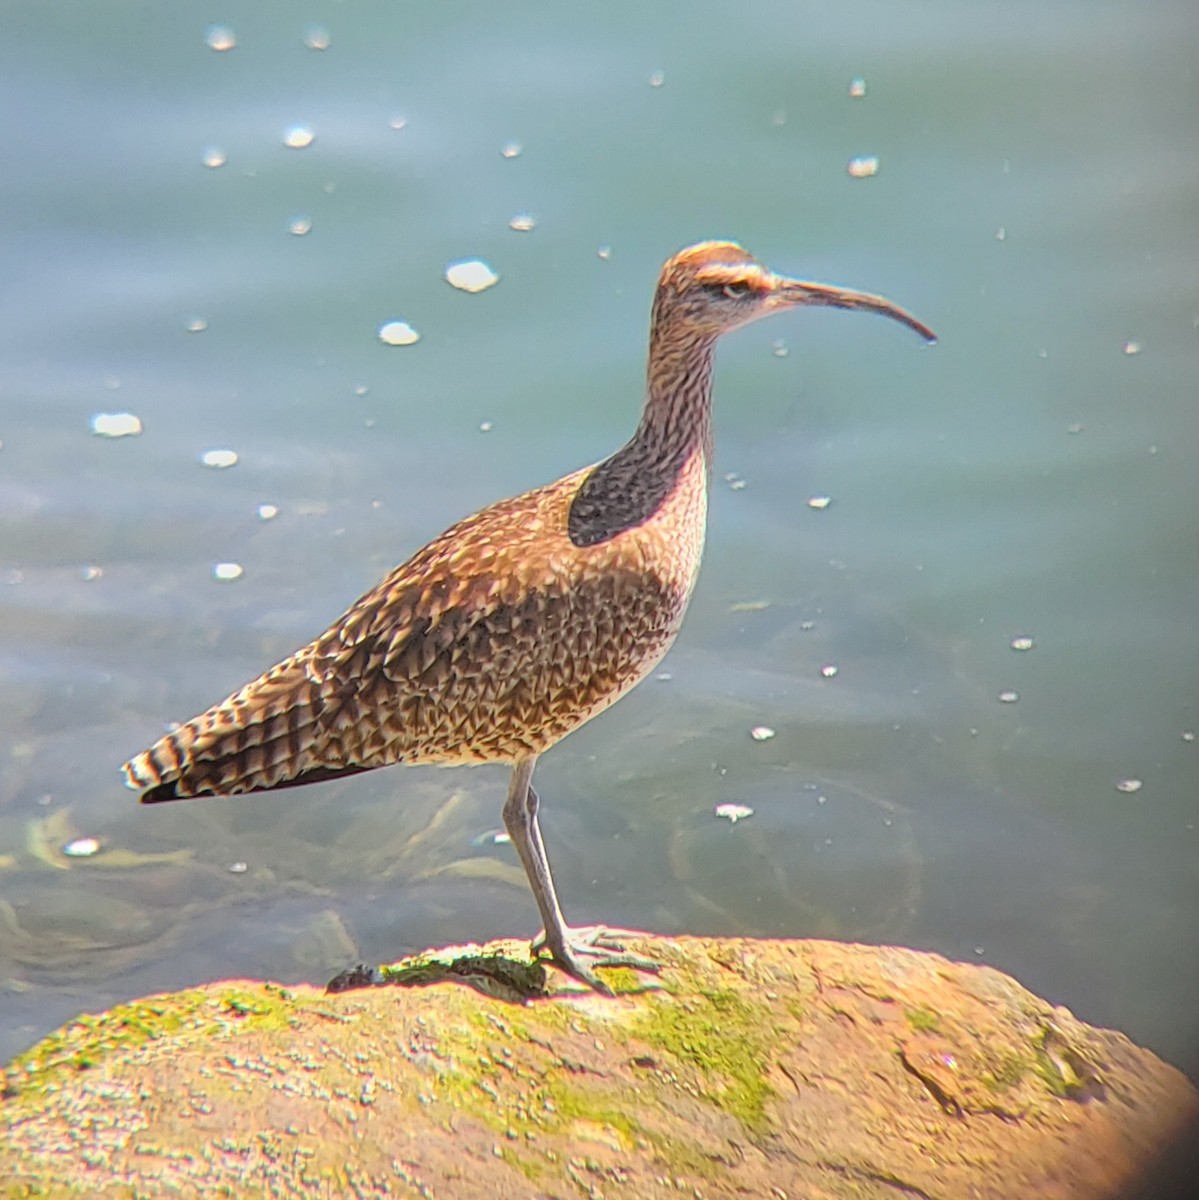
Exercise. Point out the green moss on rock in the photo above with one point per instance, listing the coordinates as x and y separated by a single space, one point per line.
923 1020
724 1037
90 1040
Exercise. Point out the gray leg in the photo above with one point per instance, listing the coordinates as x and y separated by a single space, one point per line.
566 946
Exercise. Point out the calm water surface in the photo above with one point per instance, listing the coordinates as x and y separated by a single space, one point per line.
1033 476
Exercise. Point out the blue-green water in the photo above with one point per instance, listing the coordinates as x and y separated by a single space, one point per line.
1037 202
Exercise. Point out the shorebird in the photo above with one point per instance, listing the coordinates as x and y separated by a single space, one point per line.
519 623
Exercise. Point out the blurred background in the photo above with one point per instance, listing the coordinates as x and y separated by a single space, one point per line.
943 656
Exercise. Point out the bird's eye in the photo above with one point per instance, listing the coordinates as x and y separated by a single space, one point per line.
738 289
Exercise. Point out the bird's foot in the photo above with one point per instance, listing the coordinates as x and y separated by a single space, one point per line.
580 950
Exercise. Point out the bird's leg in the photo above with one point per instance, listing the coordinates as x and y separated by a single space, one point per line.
567 947
592 940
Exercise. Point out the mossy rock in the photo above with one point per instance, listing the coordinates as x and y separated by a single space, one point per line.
760 1068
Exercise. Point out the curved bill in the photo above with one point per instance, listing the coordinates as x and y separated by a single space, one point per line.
796 291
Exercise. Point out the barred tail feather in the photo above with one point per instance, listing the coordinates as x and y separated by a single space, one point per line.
267 735
169 791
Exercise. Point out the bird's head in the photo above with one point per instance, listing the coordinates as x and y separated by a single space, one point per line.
713 287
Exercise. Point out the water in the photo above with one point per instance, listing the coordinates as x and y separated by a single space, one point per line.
1035 201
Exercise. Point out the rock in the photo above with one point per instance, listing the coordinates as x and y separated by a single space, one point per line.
748 1068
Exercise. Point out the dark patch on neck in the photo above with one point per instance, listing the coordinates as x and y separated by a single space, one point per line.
622 493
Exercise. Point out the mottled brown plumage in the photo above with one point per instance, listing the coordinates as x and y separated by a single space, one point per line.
519 623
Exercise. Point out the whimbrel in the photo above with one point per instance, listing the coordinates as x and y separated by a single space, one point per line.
519 623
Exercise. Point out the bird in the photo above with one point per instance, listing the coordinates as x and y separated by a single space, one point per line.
521 622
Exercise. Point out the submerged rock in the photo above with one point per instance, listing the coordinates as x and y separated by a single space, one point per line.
747 1068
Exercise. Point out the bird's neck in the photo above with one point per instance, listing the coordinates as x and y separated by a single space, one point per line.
672 447
676 423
